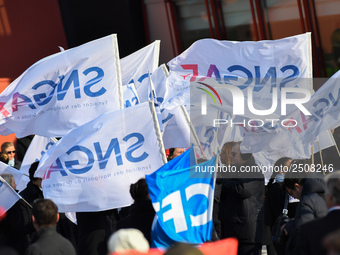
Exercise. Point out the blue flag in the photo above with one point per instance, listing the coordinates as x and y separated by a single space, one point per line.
182 195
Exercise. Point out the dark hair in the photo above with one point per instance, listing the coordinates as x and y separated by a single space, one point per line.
45 212
32 170
246 156
295 174
171 151
183 249
139 191
4 158
280 163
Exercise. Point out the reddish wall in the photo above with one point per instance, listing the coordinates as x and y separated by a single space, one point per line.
29 31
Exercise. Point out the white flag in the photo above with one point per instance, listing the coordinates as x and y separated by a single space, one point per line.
176 127
36 149
324 109
63 91
130 95
135 67
92 167
8 196
239 68
158 77
20 178
323 141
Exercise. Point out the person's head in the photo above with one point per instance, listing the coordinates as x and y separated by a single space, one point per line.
282 163
175 152
332 194
238 158
4 157
10 180
139 191
44 213
127 239
183 249
225 154
31 171
9 149
281 167
296 177
332 242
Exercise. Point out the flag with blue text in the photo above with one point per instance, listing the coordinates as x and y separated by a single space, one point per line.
135 67
130 95
36 149
92 167
226 70
63 91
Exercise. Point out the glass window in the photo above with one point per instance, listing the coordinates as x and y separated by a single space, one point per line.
238 21
282 18
192 21
328 17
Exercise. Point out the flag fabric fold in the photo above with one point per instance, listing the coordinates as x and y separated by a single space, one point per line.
21 179
63 91
92 167
8 196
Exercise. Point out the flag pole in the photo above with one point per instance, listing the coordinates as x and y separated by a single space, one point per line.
320 152
216 135
192 129
20 197
336 146
158 131
25 201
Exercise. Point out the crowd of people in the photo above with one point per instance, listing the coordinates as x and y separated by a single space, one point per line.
245 207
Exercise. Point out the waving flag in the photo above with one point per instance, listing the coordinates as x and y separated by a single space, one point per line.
37 148
158 77
20 178
135 67
8 196
130 95
92 167
299 131
154 99
176 125
182 198
63 91
237 69
324 109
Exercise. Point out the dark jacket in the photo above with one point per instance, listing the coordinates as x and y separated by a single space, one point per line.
49 242
17 164
31 193
242 206
274 202
94 230
17 228
312 206
311 234
140 217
